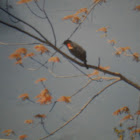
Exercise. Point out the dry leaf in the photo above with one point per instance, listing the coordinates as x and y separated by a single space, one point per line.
47 99
112 42
28 121
21 51
98 1
24 96
15 56
54 59
8 132
95 72
137 8
76 19
67 17
135 131
40 116
66 99
105 68
29 55
82 10
136 56
41 48
18 61
124 109
127 117
103 29
23 1
22 137
40 80
138 112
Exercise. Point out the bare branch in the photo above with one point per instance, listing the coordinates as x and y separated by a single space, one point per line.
82 109
24 23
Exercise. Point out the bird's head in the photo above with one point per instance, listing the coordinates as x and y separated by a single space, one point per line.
66 42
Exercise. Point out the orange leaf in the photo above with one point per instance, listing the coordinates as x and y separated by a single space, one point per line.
18 61
124 109
45 99
76 19
126 118
28 121
41 48
118 52
138 112
24 96
132 127
40 116
15 56
22 137
66 99
112 42
103 29
136 131
98 1
82 10
8 132
123 49
42 93
105 68
136 56
29 55
67 17
54 59
137 8
95 72
21 51
40 80
23 1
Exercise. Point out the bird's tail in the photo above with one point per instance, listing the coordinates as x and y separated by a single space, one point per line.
85 62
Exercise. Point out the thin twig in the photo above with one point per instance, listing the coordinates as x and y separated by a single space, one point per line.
24 23
17 44
48 19
82 109
34 12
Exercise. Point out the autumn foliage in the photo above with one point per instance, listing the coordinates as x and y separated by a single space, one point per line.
66 99
24 96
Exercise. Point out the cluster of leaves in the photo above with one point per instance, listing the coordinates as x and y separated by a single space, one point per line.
133 129
78 16
9 132
44 97
119 50
22 53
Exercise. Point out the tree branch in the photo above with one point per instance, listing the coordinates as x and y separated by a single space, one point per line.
82 109
72 59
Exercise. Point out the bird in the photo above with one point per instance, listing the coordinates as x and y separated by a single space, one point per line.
76 50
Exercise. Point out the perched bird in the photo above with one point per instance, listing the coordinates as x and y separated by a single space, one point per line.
76 50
